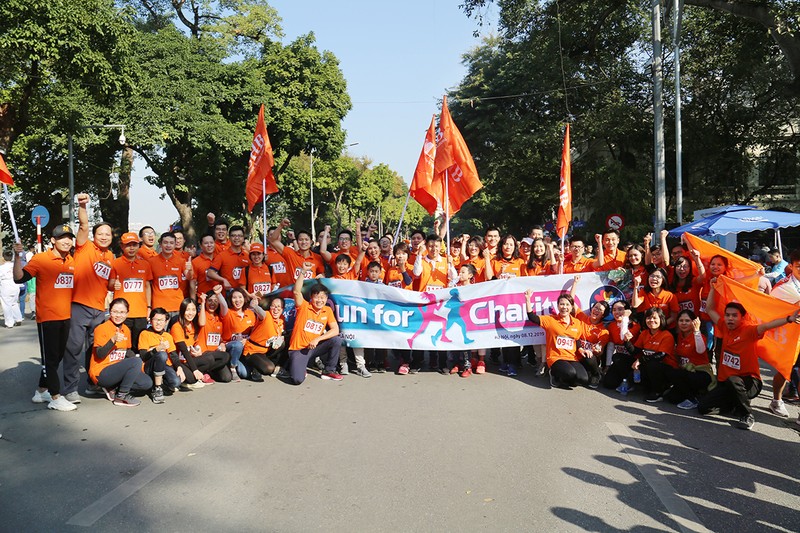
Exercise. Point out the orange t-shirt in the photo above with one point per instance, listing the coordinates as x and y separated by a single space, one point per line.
210 336
294 262
690 299
352 252
508 268
54 281
234 324
561 339
263 331
146 253
350 275
281 277
584 264
612 261
480 267
665 301
259 279
394 276
615 336
537 269
595 333
660 341
166 284
134 277
310 324
103 334
738 356
231 266
686 352
200 264
149 340
433 276
181 334
219 247
92 270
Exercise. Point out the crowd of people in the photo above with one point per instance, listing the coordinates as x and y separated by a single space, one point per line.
164 317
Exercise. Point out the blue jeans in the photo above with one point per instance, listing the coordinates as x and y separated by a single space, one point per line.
157 366
235 349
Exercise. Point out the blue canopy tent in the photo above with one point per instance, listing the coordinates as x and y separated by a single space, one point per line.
737 219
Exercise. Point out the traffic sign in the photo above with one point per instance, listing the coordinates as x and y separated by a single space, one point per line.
43 214
615 222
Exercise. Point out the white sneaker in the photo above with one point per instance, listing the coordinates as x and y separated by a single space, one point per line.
41 397
61 404
779 408
363 372
73 397
345 370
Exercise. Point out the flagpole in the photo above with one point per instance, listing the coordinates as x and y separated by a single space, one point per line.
402 215
264 211
563 257
447 216
11 213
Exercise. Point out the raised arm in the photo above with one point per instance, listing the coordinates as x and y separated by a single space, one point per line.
664 249
223 303
793 318
297 290
710 304
533 317
83 219
275 235
600 256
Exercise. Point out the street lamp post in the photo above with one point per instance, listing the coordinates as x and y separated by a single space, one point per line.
71 172
311 174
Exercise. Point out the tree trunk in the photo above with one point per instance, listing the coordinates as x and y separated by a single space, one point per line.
117 211
183 204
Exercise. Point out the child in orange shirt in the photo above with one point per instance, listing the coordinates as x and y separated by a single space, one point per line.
157 350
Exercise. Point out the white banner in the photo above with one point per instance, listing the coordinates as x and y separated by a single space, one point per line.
485 315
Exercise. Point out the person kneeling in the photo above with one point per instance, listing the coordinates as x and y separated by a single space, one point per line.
160 356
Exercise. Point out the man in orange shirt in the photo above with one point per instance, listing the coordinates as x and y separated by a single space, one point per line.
202 263
92 271
228 267
147 237
54 271
168 268
492 239
609 256
218 228
315 334
130 279
576 261
296 258
738 374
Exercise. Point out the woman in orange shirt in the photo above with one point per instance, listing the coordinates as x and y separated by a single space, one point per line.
656 295
690 373
538 263
472 253
114 365
593 343
507 263
634 260
198 366
266 344
619 360
653 346
237 322
684 283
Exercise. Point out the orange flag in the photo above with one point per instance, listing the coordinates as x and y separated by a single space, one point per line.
564 190
422 186
738 266
260 179
5 175
779 346
454 161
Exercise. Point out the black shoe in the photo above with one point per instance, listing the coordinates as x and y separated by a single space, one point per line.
157 395
255 375
654 398
746 422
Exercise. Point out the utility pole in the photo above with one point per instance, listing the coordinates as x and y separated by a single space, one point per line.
658 121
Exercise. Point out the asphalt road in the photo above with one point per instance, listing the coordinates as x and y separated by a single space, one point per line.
419 452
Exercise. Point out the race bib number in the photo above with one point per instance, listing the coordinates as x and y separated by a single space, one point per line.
507 275
702 306
236 273
307 274
586 345
620 348
431 288
648 353
133 285
213 339
103 270
167 282
278 268
116 355
314 327
263 288
63 281
396 283
687 305
731 360
565 343
684 361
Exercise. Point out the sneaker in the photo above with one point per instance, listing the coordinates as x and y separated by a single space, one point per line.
779 408
93 390
653 398
512 371
332 376
594 382
344 371
208 380
480 368
110 393
320 365
454 370
503 368
157 395
73 397
363 372
380 369
404 369
41 397
124 399
466 373
688 404
746 422
235 376
414 371
61 404
540 370
255 375
196 385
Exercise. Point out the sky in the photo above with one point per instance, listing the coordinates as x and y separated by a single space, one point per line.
398 58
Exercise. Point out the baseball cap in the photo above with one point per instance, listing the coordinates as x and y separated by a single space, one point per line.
256 247
527 240
128 238
61 230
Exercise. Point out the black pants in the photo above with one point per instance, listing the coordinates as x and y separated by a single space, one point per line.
375 357
733 394
137 326
620 369
686 384
53 336
512 355
570 373
125 376
654 376
215 364
260 362
413 358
